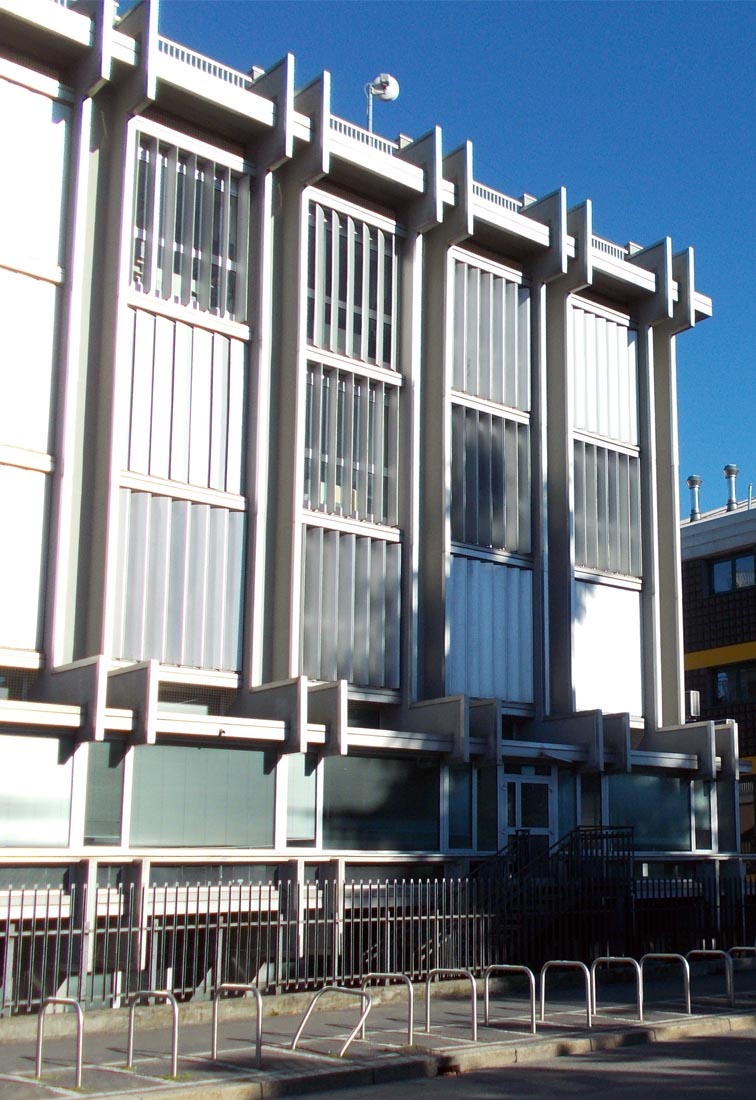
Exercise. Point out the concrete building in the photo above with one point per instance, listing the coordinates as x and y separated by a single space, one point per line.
340 489
719 616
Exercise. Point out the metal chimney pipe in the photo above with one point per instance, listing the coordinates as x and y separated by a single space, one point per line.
731 472
694 484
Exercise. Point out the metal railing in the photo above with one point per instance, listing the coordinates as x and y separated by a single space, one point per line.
365 137
496 197
204 64
101 946
609 248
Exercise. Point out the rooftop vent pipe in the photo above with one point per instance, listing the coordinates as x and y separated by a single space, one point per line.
731 472
694 484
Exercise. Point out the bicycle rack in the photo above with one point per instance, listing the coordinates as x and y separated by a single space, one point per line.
506 968
449 973
623 960
572 963
410 1001
672 958
236 987
159 995
706 953
79 1032
367 1002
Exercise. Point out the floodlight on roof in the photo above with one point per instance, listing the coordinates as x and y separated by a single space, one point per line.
385 87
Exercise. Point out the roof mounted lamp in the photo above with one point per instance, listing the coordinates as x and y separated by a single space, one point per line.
385 87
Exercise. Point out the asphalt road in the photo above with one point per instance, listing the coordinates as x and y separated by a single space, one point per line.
721 1067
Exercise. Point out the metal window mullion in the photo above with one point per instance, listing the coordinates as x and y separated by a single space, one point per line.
207 186
320 454
391 457
394 260
473 344
169 222
187 229
485 330
363 456
501 390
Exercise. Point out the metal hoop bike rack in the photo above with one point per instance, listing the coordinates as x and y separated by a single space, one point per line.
456 972
159 995
620 960
367 1003
712 953
410 999
566 964
71 1003
236 987
507 968
659 955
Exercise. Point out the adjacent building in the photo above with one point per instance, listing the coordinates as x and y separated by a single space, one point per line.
340 490
719 614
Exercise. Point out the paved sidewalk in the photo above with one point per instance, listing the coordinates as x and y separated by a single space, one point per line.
384 1056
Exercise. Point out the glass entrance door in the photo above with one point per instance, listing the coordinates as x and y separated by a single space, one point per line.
530 811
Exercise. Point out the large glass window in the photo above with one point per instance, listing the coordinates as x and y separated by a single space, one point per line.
35 791
198 796
658 807
187 215
460 806
380 803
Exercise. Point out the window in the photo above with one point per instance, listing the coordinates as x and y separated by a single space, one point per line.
352 287
729 574
607 509
350 445
187 245
735 683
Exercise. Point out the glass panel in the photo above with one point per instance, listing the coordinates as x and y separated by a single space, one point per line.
380 803
488 831
535 805
590 800
567 791
300 820
656 806
191 795
726 815
702 813
102 817
35 791
721 576
511 805
460 807
744 571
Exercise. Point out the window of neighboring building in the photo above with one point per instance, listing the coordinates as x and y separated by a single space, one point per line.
729 574
735 683
187 244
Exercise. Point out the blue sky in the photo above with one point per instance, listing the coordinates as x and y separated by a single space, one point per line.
648 108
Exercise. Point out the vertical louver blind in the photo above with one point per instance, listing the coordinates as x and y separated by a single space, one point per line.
351 603
188 246
352 287
490 492
491 336
604 376
607 509
350 445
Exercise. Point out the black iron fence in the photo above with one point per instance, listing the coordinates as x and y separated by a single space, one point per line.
99 946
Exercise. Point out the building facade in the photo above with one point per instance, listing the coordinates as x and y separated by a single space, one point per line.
719 614
343 490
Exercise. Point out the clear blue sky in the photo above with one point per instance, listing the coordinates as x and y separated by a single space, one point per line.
647 108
